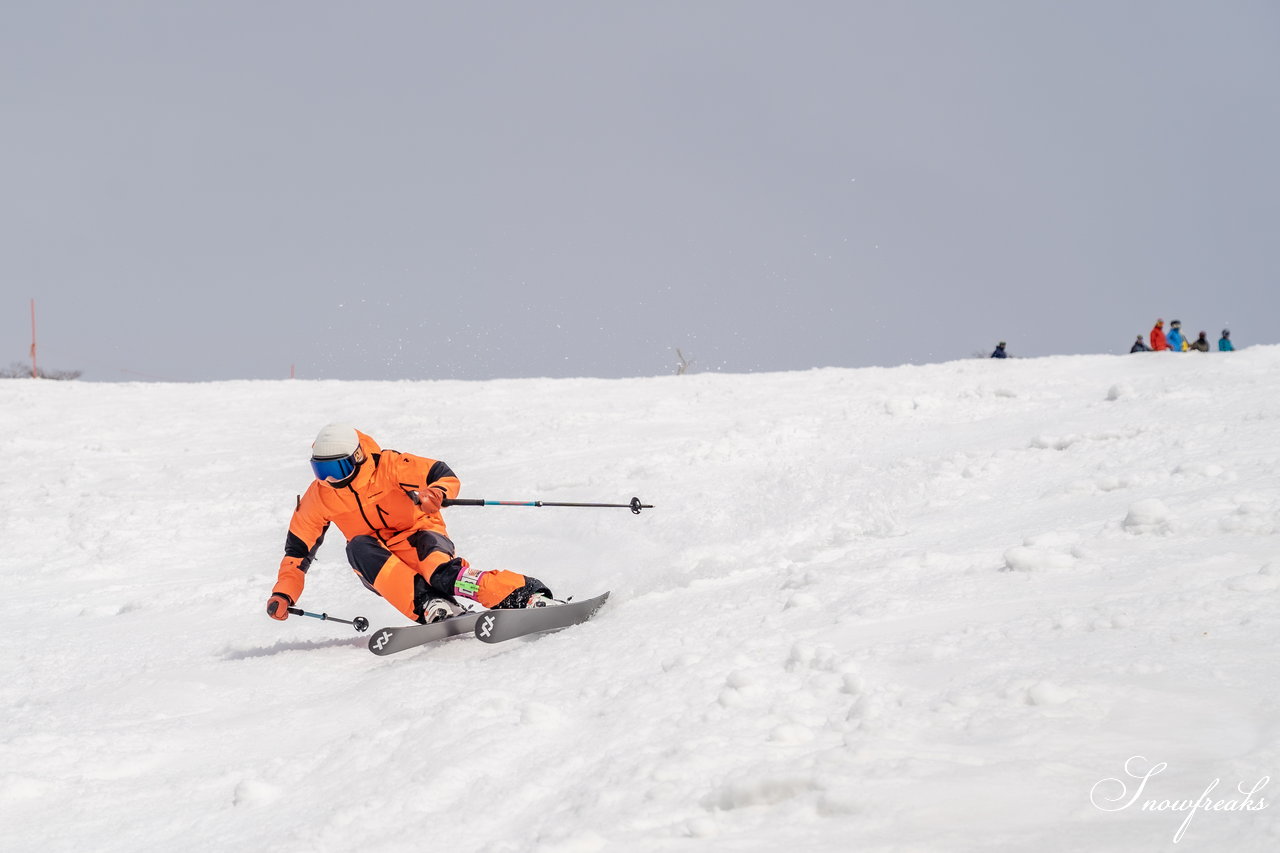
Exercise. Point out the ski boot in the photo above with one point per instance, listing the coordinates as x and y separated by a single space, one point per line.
436 610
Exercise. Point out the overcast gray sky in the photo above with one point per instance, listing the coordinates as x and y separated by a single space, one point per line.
368 190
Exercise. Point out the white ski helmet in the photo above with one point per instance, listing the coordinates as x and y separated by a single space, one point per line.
335 440
336 454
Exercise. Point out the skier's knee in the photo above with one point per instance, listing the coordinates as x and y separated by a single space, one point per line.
367 556
427 542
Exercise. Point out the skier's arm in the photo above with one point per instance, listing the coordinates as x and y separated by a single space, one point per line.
438 482
441 477
306 532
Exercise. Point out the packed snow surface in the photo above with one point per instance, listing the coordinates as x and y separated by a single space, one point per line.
983 605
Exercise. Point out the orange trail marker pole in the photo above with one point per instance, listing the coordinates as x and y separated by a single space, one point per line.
34 372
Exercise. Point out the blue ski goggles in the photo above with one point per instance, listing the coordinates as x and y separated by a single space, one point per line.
335 470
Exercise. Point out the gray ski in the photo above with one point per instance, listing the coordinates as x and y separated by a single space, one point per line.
495 626
388 641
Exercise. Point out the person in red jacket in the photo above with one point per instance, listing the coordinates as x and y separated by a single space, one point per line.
1158 340
387 505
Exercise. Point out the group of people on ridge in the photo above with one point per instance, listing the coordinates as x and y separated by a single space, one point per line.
1175 341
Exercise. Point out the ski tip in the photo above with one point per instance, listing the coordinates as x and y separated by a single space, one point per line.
380 642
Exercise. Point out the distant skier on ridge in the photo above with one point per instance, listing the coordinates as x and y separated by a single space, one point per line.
387 505
1159 343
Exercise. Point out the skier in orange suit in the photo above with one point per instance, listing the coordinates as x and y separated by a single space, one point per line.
387 505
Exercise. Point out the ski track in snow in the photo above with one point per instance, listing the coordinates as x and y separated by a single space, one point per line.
919 608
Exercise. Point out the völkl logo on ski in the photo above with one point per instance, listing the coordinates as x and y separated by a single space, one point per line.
502 625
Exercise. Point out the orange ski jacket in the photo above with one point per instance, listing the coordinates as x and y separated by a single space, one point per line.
376 503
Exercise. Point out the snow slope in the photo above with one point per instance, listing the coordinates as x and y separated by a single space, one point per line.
921 608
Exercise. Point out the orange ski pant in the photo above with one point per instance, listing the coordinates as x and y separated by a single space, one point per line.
426 567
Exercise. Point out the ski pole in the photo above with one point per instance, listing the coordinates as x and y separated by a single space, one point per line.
360 623
635 506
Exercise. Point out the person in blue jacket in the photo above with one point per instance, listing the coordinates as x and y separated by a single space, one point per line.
1224 343
1177 342
1000 353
